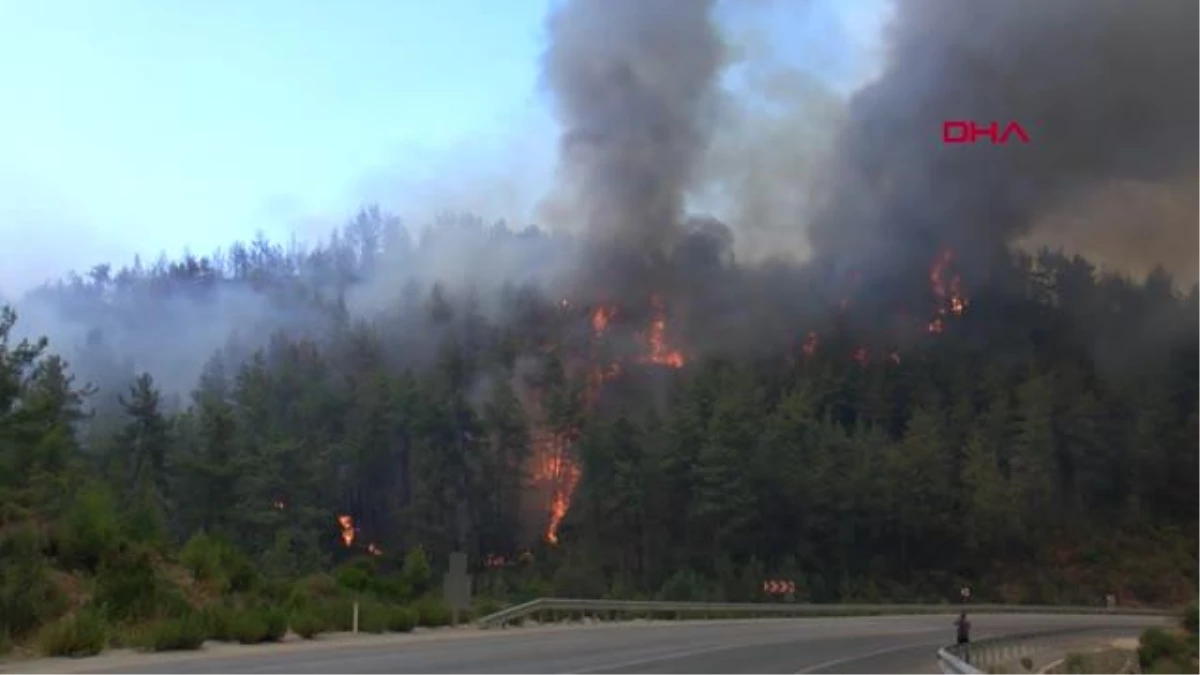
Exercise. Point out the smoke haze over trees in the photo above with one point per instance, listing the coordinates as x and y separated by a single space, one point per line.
919 404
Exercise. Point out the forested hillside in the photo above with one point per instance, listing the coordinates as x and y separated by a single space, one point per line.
624 404
1037 442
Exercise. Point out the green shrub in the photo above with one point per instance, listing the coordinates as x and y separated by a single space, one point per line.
485 606
1191 619
317 586
217 620
337 614
306 624
130 589
416 572
392 588
28 599
183 633
683 586
355 577
275 592
401 619
1168 667
252 626
372 616
84 634
432 612
90 530
213 559
277 623
1157 645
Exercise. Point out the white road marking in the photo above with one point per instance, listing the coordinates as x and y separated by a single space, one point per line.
670 656
857 657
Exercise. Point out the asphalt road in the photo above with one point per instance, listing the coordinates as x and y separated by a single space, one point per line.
816 645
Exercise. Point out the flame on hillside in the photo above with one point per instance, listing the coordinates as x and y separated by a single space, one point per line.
660 352
554 466
346 525
947 291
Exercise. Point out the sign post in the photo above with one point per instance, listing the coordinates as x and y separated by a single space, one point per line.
456 587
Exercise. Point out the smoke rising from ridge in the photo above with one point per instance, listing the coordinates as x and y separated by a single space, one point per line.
1107 90
633 83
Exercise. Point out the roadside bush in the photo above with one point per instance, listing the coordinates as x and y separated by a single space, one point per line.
277 623
373 616
486 606
317 586
432 612
1168 668
217 620
129 588
1158 649
1191 620
416 572
212 559
356 576
306 624
392 588
84 634
28 599
683 586
337 614
274 592
183 633
401 619
252 626
90 530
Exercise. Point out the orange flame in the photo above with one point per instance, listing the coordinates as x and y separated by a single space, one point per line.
346 524
556 467
600 317
660 353
948 292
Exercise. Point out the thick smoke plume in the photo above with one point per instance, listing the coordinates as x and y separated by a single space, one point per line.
1107 90
633 82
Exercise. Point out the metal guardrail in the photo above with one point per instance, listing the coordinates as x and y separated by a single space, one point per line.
1004 653
562 608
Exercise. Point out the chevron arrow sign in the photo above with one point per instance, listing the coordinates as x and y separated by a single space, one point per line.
779 587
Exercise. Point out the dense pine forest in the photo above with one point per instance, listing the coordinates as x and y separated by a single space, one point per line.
1036 441
627 405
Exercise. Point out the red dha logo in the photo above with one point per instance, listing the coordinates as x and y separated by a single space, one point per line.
965 131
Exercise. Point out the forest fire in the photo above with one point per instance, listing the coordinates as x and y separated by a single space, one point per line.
556 467
944 285
947 292
553 464
346 525
660 352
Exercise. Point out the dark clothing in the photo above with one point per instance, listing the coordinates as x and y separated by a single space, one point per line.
964 630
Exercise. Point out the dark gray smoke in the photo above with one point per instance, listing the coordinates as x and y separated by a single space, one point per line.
633 83
1107 89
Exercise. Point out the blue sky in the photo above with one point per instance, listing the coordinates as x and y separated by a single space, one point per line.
148 125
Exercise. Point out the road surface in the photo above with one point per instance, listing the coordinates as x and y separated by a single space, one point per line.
810 645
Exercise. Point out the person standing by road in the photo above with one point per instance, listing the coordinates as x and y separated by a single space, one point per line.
964 635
